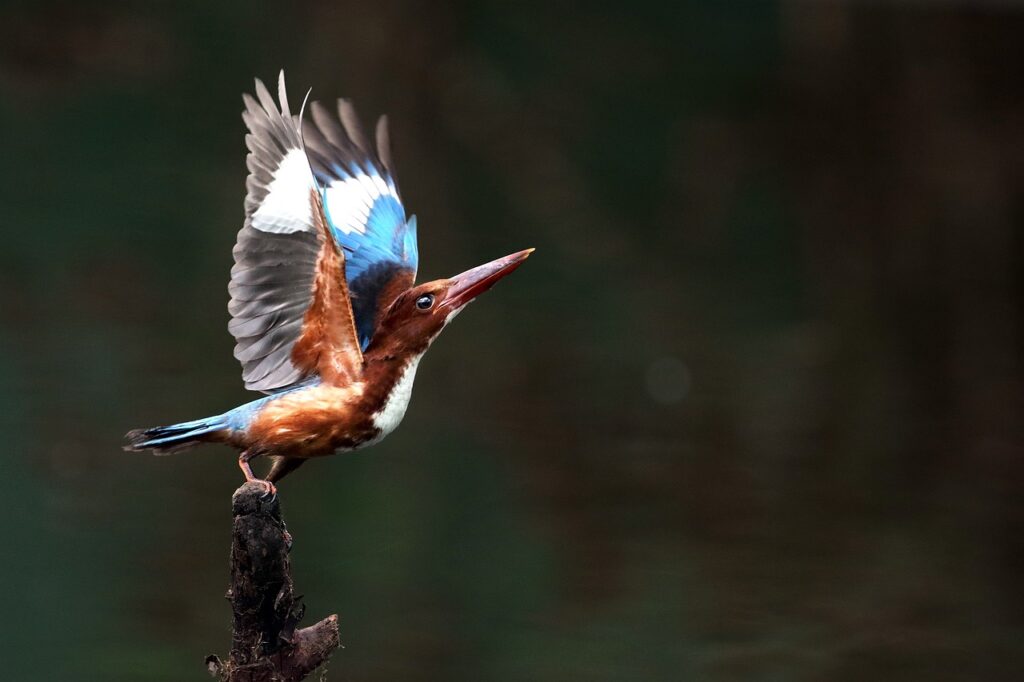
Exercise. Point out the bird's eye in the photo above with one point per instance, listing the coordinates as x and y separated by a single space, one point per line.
425 301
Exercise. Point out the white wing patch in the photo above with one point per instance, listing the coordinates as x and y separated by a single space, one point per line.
349 201
287 208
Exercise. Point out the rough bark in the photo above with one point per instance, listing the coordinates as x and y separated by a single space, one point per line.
265 645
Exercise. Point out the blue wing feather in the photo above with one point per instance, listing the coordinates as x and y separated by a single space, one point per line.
363 208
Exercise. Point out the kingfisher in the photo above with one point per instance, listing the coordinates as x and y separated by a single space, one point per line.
326 315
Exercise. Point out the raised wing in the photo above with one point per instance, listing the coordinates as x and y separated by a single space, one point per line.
290 309
363 209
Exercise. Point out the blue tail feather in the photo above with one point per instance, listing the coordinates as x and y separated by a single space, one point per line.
164 440
168 439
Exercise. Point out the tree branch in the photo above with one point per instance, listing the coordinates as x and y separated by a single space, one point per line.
265 645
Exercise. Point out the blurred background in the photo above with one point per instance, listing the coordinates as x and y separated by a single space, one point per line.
751 412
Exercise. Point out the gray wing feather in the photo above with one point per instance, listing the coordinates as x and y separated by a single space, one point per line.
328 125
261 307
349 119
277 248
273 368
261 322
253 348
384 148
246 300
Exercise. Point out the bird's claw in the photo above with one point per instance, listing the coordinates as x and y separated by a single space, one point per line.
269 489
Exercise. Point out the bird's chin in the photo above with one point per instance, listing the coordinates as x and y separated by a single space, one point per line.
453 313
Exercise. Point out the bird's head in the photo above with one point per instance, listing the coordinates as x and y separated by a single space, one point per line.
417 315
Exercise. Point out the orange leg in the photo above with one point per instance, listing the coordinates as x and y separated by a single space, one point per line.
243 464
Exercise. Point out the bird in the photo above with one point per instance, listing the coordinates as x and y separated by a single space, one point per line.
328 321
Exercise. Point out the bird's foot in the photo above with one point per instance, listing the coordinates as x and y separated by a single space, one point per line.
243 464
269 489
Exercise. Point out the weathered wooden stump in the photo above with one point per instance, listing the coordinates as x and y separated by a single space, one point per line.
265 646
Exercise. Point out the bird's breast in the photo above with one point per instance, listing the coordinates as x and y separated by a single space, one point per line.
325 419
312 422
390 414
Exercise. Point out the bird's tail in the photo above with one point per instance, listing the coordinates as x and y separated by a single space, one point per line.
163 440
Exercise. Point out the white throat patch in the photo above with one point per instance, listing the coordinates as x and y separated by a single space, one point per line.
451 316
390 416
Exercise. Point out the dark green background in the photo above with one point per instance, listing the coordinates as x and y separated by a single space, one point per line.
753 410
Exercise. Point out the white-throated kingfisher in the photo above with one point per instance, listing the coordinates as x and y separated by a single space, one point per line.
324 307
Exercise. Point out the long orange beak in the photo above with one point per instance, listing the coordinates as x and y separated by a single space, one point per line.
470 284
